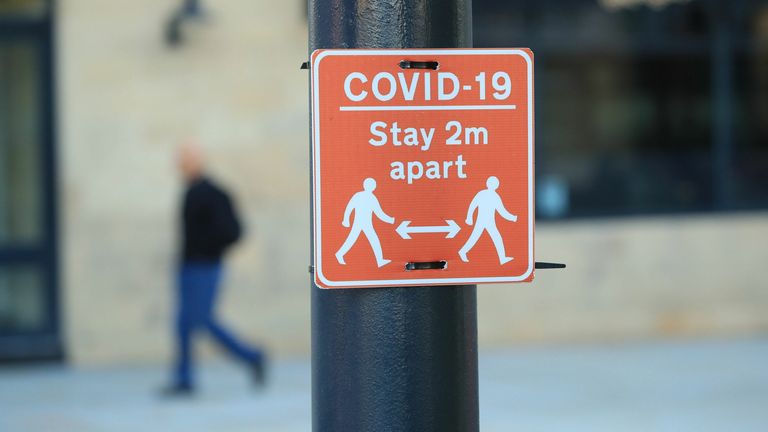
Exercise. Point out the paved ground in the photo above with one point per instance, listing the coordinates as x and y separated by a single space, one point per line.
683 386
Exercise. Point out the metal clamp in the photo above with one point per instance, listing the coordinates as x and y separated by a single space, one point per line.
426 265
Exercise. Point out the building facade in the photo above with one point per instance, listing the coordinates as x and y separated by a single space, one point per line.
652 170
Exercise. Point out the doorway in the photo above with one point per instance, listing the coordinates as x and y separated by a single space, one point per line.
29 319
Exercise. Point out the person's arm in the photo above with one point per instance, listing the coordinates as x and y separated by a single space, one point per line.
348 213
380 213
211 228
225 223
471 211
504 213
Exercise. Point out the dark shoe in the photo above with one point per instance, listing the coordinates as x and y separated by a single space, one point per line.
177 391
259 372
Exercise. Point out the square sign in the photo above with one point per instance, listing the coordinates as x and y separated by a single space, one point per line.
423 167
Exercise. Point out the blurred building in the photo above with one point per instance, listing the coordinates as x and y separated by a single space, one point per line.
651 150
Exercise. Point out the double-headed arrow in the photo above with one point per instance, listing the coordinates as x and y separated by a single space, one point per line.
451 229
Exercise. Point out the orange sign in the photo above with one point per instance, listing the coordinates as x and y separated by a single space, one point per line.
423 167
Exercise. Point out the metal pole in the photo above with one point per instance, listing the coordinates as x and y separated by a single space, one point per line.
393 359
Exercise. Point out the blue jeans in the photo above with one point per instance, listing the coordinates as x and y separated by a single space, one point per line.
197 288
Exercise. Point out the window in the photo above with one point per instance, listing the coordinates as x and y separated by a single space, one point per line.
643 106
23 8
28 261
20 131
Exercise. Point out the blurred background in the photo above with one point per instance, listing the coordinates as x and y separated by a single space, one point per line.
652 185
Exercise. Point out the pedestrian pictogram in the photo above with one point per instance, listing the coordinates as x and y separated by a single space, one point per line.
487 203
422 157
365 205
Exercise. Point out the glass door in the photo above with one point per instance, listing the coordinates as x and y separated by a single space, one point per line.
28 277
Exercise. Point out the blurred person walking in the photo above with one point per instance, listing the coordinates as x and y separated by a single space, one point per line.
209 227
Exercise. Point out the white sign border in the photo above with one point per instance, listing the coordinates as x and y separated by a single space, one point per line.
315 67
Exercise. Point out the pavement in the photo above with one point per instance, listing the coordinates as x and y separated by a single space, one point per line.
655 386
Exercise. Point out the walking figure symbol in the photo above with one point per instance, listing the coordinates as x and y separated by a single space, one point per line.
487 202
365 205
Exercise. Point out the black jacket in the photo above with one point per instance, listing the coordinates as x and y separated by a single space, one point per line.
209 222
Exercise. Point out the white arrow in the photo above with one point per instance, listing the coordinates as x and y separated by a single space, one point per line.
451 229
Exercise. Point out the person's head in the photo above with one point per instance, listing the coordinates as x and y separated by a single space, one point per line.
369 184
492 183
190 160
